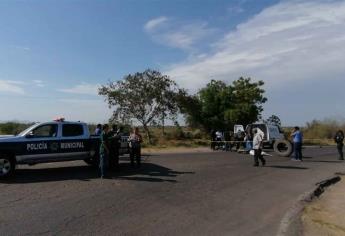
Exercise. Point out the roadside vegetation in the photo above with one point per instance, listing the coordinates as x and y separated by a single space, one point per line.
152 99
317 132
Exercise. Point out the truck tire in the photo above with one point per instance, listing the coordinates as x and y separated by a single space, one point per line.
7 166
283 148
94 159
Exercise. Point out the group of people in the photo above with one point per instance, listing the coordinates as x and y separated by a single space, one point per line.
227 141
253 139
110 144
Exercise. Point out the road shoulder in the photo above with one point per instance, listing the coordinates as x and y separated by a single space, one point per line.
325 215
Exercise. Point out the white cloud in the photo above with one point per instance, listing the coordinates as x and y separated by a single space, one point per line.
176 34
83 88
155 23
38 83
81 101
235 9
19 47
9 86
290 41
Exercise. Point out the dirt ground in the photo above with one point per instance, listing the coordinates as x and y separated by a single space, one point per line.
326 215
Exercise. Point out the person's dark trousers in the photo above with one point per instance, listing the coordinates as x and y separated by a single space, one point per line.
131 156
213 144
340 150
297 151
238 145
230 146
258 156
219 143
111 158
117 159
103 164
114 158
135 155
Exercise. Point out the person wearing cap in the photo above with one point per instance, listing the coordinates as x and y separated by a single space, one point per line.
257 146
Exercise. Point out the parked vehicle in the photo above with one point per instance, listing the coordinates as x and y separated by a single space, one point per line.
273 137
54 141
271 132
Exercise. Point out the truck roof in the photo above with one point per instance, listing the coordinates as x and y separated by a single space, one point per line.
61 122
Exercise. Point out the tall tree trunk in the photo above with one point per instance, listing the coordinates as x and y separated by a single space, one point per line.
148 135
163 118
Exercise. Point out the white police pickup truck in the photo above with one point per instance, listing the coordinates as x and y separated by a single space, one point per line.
51 142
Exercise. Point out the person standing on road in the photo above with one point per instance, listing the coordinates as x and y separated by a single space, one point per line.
257 146
339 139
297 137
219 138
135 141
104 151
213 139
114 147
248 140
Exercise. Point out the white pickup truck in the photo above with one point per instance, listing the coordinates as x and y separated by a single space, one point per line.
271 132
51 142
273 137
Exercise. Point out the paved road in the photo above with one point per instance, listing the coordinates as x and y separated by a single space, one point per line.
218 193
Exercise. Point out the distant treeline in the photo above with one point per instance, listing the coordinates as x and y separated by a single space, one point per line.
322 129
13 127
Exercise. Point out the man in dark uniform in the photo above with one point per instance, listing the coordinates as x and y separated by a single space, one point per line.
339 139
104 151
114 147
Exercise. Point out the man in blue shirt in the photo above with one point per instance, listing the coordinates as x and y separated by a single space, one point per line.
297 143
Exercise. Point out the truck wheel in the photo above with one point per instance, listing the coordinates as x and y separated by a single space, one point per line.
282 148
7 166
93 160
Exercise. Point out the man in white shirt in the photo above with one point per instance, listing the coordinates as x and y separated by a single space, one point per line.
257 146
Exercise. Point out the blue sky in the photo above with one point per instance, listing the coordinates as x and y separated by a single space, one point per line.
54 54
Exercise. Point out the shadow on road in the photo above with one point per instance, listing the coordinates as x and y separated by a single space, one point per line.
290 167
325 161
147 172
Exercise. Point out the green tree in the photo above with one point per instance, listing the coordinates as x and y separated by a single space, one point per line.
147 97
220 106
274 120
247 100
13 127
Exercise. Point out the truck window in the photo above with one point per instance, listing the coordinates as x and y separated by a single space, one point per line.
45 131
70 130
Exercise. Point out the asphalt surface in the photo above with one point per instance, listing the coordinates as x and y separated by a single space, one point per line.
216 193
